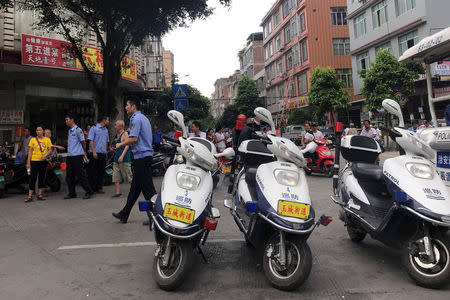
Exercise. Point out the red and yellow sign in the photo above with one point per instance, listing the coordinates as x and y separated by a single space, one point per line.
178 213
293 209
45 52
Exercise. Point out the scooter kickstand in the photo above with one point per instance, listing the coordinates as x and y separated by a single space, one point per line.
202 254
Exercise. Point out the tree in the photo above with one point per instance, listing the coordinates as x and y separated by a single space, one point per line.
299 116
388 78
199 106
327 92
228 118
247 98
118 25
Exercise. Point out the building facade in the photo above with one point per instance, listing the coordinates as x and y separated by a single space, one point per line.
152 61
298 37
169 67
395 25
225 91
251 58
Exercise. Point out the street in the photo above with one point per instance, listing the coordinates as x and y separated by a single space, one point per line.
75 249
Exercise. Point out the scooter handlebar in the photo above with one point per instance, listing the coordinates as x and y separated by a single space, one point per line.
392 132
172 140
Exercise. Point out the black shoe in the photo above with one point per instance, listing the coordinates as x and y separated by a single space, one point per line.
116 195
121 217
70 196
146 223
87 196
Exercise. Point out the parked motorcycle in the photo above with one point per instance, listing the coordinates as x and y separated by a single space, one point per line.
320 160
53 172
403 204
164 158
272 205
181 214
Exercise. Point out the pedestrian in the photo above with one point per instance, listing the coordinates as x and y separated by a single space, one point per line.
220 139
122 159
55 148
98 141
140 139
196 132
25 142
19 155
86 134
173 130
210 135
229 142
156 136
38 150
425 124
414 127
351 130
76 160
368 130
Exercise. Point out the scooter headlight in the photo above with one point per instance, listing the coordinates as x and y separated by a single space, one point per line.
286 177
187 181
419 170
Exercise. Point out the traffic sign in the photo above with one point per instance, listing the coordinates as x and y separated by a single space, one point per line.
180 96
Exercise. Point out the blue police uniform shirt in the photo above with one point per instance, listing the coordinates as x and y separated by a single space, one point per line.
140 127
99 135
74 140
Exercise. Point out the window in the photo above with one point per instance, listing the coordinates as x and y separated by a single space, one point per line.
287 34
270 72
379 14
291 89
302 23
302 84
278 43
386 45
406 41
280 92
288 6
360 25
276 18
280 67
297 55
270 48
362 61
402 6
289 60
291 29
338 15
267 28
341 46
346 76
304 50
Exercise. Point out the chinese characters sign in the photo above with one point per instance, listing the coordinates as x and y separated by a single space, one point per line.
178 213
44 52
11 116
293 209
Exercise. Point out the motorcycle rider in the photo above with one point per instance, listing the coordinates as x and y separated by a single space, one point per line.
315 133
240 121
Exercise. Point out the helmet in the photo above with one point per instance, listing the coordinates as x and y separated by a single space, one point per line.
240 121
242 118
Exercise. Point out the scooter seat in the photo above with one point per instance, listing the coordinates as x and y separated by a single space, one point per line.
365 171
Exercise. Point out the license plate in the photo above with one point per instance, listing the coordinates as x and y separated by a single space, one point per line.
293 209
443 160
2 179
226 168
109 171
58 172
178 213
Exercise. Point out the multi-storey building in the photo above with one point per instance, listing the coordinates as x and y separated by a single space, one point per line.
251 58
225 91
395 25
298 37
168 65
153 72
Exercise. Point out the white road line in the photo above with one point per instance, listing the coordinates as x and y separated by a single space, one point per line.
137 244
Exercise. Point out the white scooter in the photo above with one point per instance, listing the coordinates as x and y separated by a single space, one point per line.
272 205
403 204
182 214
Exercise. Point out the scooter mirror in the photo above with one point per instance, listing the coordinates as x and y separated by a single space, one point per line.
178 118
265 116
393 107
311 148
228 153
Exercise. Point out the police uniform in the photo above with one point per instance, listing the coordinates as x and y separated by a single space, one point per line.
74 162
96 168
142 165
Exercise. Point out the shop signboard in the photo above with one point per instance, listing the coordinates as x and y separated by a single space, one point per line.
45 52
442 69
438 92
11 116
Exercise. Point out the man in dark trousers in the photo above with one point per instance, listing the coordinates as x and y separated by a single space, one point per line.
140 139
98 140
76 153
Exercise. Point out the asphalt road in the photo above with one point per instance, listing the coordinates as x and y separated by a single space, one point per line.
74 249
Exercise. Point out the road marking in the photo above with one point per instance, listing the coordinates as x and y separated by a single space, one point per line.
137 244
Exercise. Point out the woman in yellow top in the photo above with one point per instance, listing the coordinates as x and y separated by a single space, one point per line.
39 148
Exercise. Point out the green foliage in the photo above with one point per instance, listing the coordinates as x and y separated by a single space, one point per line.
199 106
327 92
386 77
228 118
247 98
299 116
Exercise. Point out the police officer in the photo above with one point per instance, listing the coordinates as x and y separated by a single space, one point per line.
76 152
140 139
98 139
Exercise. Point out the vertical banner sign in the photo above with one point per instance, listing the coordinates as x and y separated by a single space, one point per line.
180 97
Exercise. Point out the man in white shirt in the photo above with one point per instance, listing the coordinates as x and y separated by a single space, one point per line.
368 130
315 134
196 130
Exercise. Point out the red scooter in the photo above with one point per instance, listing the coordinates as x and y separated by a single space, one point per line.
322 160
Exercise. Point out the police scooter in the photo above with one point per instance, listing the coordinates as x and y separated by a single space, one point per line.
272 205
404 204
182 214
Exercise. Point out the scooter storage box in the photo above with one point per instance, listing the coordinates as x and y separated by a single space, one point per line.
356 148
255 153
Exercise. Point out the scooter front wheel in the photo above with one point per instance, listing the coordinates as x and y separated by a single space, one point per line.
169 277
329 171
297 265
426 273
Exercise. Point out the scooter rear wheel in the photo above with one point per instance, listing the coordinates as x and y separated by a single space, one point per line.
298 262
356 235
430 274
173 275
